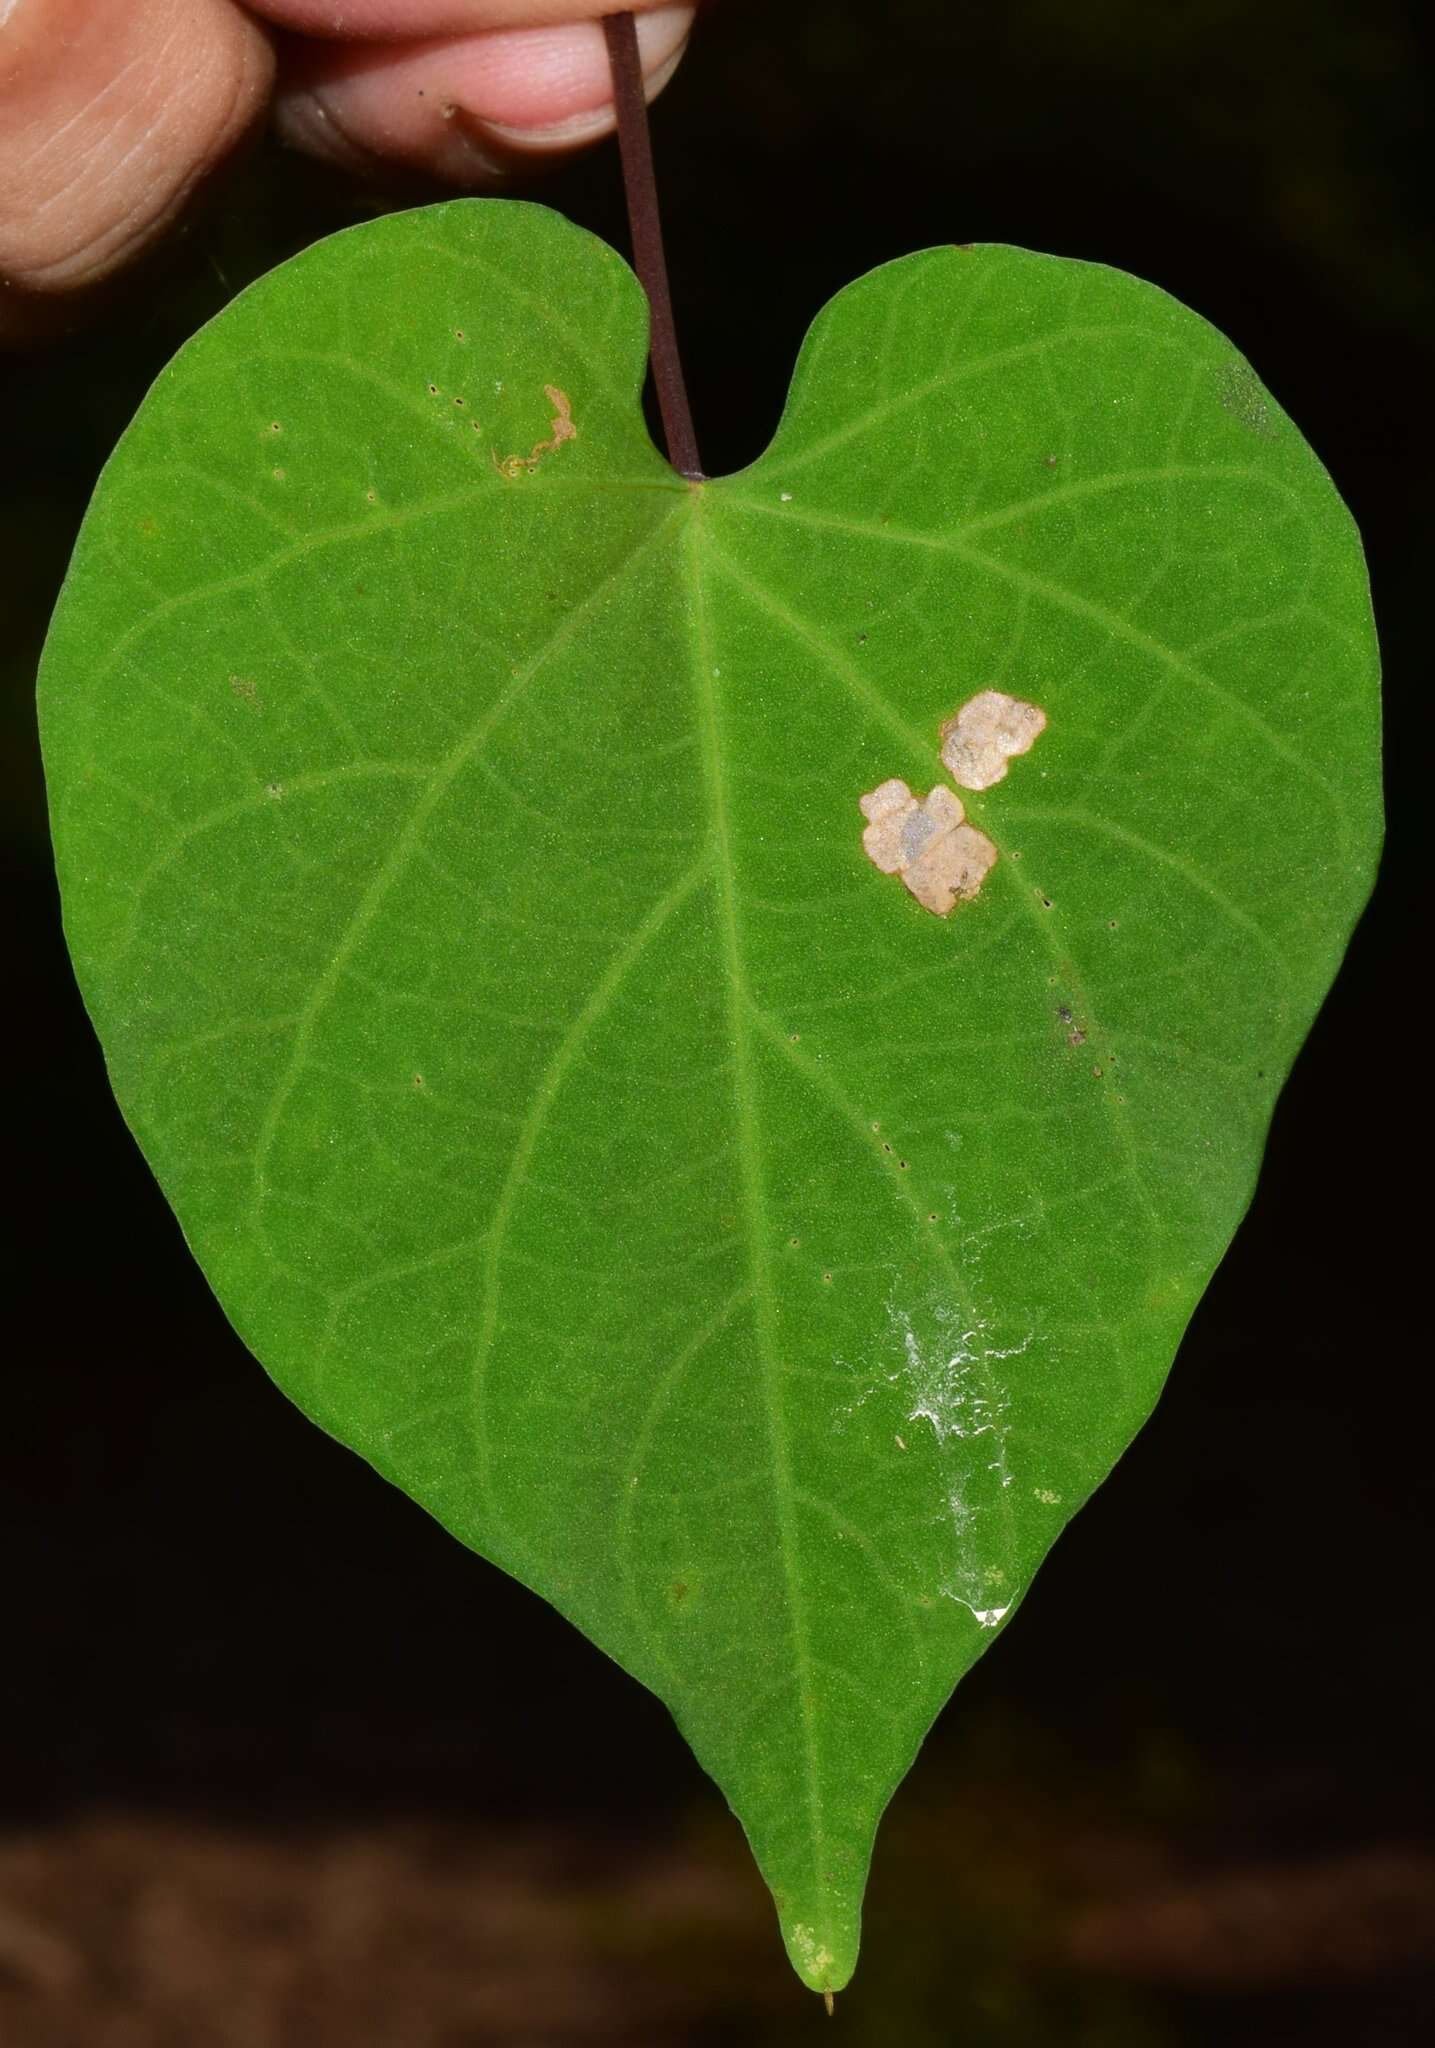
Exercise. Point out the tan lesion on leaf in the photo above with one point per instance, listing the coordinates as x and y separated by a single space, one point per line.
986 733
561 429
927 842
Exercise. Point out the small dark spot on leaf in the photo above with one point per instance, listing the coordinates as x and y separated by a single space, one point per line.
275 427
1063 1010
274 789
827 1279
794 1037
460 401
459 335
861 639
372 496
279 476
931 1215
885 1146
433 391
1111 924
1076 1036
903 1164
418 1080
1045 901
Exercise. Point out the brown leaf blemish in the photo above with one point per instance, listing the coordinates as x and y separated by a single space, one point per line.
941 859
561 429
1075 1030
985 734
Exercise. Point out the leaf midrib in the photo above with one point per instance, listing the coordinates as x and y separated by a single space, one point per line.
749 1150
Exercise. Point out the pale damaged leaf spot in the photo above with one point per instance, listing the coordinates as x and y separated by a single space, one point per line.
813 1957
1241 394
561 429
926 841
985 734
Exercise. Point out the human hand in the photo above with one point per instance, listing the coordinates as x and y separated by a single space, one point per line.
114 113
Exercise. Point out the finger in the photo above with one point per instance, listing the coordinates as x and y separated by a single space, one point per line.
113 112
417 20
467 109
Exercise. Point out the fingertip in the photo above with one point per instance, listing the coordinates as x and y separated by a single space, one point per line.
468 109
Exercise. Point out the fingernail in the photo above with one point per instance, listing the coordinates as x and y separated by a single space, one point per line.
662 38
661 35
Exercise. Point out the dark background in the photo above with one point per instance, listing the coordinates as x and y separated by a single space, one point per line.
281 1762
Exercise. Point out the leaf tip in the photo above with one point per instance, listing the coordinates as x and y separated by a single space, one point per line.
824 1965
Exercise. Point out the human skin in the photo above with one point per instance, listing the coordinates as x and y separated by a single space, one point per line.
116 113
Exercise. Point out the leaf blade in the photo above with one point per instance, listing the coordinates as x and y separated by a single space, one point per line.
563 1108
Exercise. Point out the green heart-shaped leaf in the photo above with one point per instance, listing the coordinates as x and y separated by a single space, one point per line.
459 822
